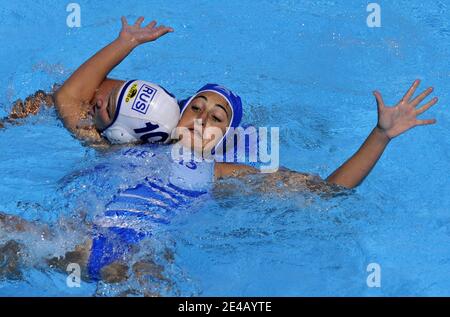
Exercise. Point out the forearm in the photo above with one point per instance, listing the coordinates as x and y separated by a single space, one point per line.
355 169
278 182
83 83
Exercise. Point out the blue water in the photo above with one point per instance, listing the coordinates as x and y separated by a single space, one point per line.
307 67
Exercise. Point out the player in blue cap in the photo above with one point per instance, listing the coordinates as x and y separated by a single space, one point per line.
136 111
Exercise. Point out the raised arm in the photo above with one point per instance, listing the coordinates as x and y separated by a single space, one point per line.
392 121
79 89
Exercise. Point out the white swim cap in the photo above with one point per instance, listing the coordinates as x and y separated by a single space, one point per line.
144 111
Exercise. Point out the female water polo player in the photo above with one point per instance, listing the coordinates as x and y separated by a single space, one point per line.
218 109
137 111
212 107
134 212
88 85
86 102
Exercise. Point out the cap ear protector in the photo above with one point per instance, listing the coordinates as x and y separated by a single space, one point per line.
144 112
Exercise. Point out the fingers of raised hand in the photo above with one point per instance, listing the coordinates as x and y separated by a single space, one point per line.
411 91
421 97
427 106
151 25
124 21
161 30
164 29
139 21
425 122
379 98
168 29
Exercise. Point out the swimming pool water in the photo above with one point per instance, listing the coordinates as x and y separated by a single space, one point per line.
307 67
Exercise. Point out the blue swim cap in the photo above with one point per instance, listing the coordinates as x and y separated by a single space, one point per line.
236 108
233 99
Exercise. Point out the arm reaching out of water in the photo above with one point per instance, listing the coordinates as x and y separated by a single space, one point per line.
392 121
73 97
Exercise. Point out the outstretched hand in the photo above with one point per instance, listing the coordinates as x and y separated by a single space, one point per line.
394 121
136 34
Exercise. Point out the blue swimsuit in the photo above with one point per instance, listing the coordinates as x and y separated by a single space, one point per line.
132 213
